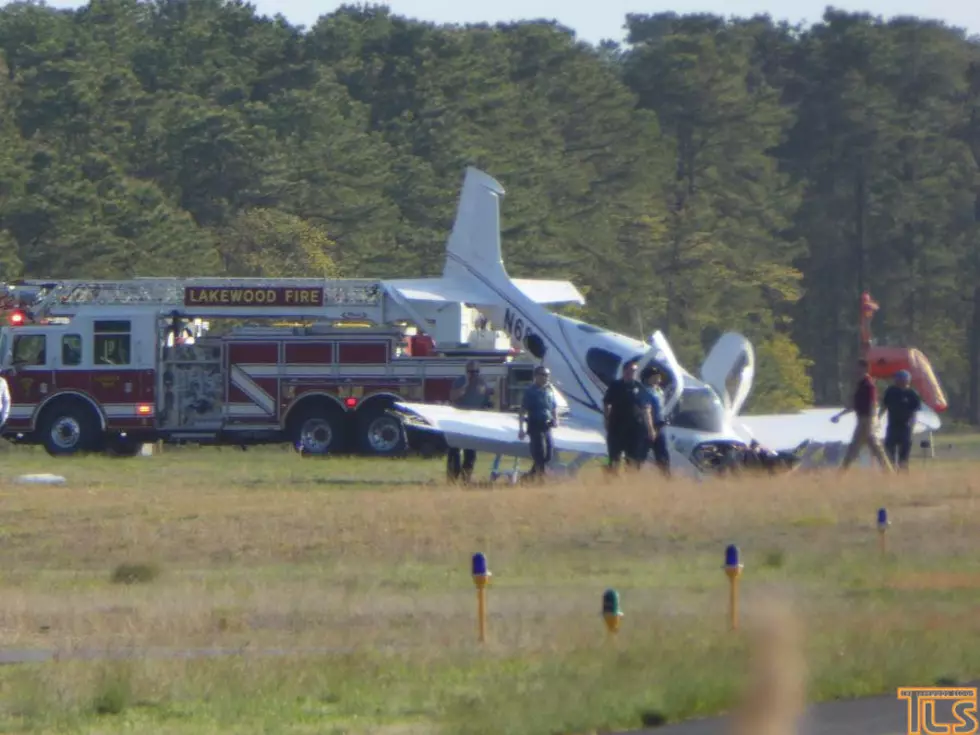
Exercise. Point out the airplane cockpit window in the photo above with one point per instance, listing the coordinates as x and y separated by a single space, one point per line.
700 409
604 364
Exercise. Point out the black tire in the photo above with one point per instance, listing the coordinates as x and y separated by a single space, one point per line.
380 434
69 427
123 447
317 429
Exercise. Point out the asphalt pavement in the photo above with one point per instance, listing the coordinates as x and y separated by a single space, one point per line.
883 715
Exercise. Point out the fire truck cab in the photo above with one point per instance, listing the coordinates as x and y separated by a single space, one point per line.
109 366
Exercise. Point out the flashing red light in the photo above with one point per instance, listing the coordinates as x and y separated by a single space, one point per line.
17 318
350 402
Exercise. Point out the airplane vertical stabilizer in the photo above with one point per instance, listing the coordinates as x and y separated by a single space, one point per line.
474 244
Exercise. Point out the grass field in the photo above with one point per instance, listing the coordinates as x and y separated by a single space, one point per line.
355 574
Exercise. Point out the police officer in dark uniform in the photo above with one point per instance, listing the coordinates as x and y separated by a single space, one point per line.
629 419
902 402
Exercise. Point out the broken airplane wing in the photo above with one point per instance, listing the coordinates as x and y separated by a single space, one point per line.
785 432
496 433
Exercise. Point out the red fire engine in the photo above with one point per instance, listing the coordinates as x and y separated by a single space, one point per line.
108 366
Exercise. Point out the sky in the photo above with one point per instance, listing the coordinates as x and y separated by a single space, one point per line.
595 21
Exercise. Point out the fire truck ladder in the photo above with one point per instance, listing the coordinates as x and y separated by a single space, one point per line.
343 299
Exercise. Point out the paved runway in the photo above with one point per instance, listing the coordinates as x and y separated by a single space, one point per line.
884 715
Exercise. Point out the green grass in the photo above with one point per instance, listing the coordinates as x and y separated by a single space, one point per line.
263 551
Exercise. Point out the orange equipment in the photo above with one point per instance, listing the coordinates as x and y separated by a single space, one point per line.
884 362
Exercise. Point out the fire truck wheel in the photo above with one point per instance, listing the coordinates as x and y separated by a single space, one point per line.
69 427
316 430
380 433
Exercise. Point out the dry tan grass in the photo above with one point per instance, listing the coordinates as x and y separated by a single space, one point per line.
268 564
257 552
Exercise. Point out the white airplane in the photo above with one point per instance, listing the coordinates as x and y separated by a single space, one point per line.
705 431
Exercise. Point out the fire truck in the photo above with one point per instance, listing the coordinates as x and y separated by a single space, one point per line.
108 366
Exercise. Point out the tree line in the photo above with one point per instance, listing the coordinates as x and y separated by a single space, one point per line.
709 174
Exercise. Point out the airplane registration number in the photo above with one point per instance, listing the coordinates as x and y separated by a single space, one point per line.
515 326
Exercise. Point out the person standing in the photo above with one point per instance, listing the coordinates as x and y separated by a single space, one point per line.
540 410
629 419
470 392
863 405
651 378
901 402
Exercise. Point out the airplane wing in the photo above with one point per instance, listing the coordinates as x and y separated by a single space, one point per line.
453 290
490 431
783 432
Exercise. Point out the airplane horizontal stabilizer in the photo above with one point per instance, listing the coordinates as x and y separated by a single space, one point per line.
550 292
470 291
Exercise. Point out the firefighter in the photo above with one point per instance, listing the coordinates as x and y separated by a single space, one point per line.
901 402
470 392
863 405
540 410
629 419
651 378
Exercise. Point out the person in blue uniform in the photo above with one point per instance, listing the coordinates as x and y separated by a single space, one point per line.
901 402
651 378
539 411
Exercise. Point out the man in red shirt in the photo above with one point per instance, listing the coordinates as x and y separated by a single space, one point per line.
864 405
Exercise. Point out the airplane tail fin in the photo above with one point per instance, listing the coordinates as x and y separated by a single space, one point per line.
474 243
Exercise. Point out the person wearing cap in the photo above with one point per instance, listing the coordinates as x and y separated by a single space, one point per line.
539 411
651 377
901 402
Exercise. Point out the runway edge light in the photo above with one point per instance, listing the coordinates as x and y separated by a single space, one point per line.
481 578
883 524
611 611
733 570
